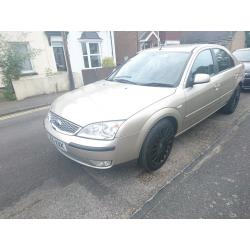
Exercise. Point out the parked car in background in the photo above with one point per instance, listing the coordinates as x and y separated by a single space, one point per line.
243 55
143 105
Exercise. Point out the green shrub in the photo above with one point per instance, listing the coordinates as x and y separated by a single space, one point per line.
8 91
49 72
108 62
11 63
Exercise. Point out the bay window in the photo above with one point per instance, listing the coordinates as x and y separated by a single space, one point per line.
91 54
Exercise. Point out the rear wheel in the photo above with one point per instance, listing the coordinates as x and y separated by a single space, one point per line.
157 145
230 107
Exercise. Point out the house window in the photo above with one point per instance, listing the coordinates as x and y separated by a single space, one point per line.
91 54
59 55
22 49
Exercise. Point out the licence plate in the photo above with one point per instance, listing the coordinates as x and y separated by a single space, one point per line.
59 144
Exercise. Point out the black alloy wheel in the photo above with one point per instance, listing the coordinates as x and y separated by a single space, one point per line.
157 146
230 107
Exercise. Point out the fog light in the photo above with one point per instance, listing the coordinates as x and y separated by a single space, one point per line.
101 164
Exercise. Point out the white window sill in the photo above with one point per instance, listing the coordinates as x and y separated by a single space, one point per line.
28 73
94 67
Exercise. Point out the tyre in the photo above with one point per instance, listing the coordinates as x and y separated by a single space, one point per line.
241 87
157 145
230 107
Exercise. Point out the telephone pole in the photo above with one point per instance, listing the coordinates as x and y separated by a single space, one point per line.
67 58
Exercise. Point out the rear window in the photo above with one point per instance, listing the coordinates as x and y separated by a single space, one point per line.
242 55
224 60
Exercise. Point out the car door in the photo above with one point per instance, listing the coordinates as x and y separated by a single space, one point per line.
226 75
200 99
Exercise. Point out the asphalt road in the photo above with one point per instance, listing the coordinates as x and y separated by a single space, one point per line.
36 181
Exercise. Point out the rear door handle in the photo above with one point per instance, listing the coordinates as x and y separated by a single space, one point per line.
236 75
217 86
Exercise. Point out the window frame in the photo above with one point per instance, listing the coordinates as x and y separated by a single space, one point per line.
26 72
216 62
88 55
188 81
54 45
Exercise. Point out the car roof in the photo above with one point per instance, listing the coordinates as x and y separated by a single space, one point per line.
184 47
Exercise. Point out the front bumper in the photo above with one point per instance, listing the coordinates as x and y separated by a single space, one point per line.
91 153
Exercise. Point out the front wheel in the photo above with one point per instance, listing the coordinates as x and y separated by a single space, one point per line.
157 145
230 107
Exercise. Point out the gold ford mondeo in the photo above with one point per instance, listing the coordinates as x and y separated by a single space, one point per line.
144 104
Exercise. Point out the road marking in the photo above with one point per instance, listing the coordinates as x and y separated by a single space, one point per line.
6 117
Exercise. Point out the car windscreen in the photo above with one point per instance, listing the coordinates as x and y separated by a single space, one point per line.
242 55
152 68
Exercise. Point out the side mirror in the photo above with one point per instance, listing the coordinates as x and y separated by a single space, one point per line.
201 78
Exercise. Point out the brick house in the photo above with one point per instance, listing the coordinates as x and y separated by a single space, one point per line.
148 39
231 39
126 45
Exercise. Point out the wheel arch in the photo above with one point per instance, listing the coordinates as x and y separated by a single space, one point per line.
169 113
173 121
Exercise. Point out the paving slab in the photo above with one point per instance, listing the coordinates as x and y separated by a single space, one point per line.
216 187
9 107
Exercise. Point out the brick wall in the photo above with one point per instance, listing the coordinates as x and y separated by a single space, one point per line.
238 41
126 45
93 75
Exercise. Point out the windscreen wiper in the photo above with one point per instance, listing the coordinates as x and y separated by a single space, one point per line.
123 81
157 84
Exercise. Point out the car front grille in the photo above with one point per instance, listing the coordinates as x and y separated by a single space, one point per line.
63 125
247 75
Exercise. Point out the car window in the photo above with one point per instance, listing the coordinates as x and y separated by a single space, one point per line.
203 64
242 55
224 60
152 68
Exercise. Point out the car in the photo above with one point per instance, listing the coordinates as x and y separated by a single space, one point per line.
136 112
243 55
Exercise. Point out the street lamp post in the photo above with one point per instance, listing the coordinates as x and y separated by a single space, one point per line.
67 58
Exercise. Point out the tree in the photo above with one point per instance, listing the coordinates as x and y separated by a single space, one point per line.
68 63
11 64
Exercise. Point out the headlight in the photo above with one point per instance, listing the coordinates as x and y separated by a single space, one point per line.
100 130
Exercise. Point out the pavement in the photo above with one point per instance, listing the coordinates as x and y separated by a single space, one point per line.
217 186
36 181
9 107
